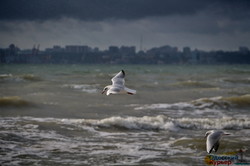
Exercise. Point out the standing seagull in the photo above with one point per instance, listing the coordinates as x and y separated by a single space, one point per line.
213 138
118 85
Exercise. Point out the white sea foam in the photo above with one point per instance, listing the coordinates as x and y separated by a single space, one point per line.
199 104
159 122
217 107
166 123
135 123
179 106
44 138
82 87
3 76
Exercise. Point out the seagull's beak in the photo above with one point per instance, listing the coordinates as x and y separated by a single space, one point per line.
103 91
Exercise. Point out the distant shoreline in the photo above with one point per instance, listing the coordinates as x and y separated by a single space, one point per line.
75 54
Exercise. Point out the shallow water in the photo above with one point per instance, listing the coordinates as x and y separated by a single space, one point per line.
56 115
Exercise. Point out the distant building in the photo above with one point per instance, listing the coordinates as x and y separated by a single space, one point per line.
55 49
12 51
187 50
113 49
125 50
163 50
77 49
243 50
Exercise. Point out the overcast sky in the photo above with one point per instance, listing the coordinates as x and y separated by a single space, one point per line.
201 24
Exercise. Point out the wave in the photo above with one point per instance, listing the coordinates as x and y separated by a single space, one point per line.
14 101
237 71
23 77
82 87
134 123
241 101
153 123
224 102
4 76
166 123
194 84
237 81
30 77
202 103
175 106
213 102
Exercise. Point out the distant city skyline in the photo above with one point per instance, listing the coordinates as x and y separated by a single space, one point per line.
135 48
198 24
75 54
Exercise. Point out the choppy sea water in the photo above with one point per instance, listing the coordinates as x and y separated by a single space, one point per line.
56 114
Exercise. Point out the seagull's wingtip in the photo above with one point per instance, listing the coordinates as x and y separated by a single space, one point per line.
123 72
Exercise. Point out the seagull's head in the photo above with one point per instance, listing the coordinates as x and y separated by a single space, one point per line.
219 133
105 89
208 132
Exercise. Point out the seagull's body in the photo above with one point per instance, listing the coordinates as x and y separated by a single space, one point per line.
118 85
213 138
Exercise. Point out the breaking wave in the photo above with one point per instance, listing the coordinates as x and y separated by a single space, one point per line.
159 122
82 87
165 123
4 76
241 101
203 103
223 102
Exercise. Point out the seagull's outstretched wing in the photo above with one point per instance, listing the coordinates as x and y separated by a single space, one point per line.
118 79
213 141
130 91
118 85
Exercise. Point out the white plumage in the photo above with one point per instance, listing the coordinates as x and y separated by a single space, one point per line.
213 138
118 85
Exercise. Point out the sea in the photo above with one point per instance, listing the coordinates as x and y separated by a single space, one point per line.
56 115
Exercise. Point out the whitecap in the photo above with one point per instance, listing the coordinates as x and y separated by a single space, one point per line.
213 123
159 122
82 87
175 106
4 76
172 124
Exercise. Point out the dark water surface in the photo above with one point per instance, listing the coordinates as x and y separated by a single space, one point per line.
56 114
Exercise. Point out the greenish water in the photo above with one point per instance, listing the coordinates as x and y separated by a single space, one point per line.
56 114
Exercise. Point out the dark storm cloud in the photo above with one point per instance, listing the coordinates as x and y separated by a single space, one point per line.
115 9
90 9
203 24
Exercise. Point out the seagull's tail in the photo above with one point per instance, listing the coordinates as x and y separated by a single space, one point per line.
130 91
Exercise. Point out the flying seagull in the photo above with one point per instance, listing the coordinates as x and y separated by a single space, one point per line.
118 85
213 138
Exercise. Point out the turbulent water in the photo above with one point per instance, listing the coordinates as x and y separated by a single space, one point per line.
56 114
